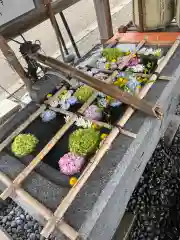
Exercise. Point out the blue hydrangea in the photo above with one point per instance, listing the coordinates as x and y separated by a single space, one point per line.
72 100
133 84
48 115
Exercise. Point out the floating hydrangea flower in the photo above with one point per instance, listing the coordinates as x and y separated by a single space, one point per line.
54 103
133 84
24 144
137 68
48 115
72 100
158 52
133 62
115 103
71 163
81 122
121 74
102 102
83 93
84 141
93 112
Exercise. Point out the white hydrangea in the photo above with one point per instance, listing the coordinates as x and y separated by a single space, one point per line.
80 122
137 68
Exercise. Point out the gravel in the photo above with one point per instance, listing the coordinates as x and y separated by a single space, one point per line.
18 223
156 199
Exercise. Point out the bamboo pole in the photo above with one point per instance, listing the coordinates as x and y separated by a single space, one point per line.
38 207
22 127
102 124
68 199
110 90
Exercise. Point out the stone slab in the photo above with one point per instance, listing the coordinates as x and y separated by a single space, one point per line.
99 207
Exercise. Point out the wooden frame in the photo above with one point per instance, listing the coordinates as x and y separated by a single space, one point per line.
56 219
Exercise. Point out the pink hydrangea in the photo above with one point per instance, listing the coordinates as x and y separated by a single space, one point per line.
93 112
71 163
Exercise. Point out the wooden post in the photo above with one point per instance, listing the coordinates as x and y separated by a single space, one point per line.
14 62
103 15
55 26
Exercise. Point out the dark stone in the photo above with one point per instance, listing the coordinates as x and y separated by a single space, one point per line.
32 236
4 220
13 224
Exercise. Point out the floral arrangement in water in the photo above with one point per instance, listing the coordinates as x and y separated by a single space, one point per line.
24 144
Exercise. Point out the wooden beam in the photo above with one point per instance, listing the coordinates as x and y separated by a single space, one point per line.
33 18
110 90
14 62
103 15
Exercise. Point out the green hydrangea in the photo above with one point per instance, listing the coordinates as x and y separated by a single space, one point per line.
24 144
112 54
83 93
84 141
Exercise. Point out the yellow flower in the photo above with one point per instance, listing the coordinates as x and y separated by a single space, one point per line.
113 60
49 95
109 98
95 126
128 53
103 136
120 82
107 66
73 181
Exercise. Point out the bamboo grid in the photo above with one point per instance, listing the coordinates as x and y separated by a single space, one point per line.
56 219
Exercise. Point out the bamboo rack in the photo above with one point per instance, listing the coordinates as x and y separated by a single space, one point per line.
22 176
68 199
55 220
